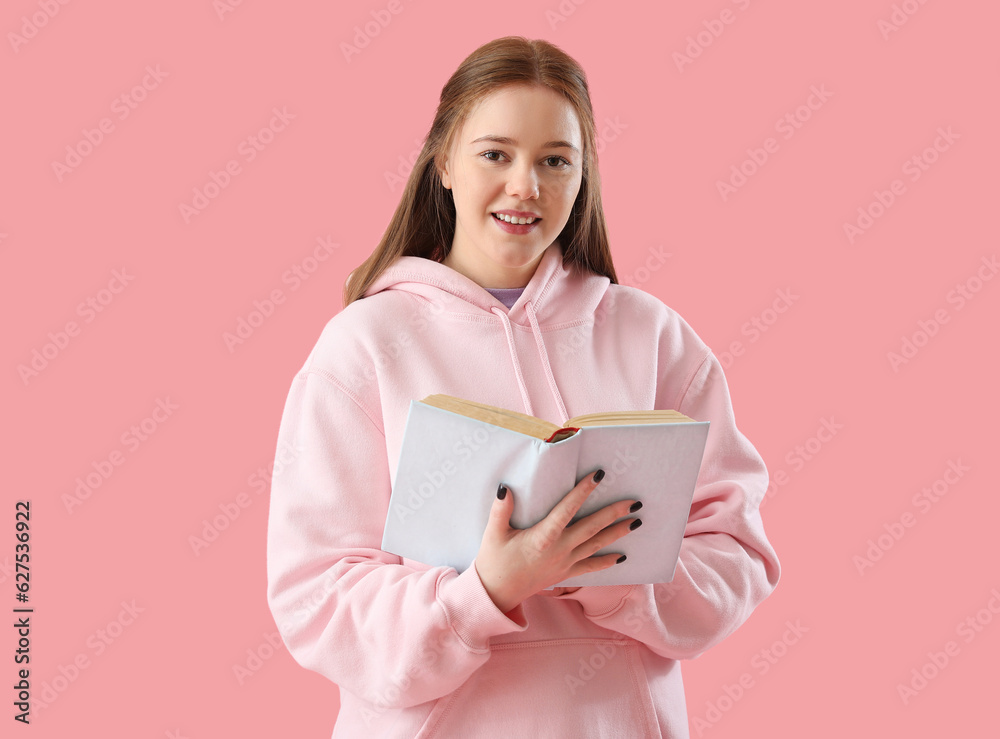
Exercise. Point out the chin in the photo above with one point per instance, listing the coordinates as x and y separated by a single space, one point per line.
517 256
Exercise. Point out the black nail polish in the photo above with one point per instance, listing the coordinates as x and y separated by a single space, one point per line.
635 506
501 492
599 475
635 524
621 559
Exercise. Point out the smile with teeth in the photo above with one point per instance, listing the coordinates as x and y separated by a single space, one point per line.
516 221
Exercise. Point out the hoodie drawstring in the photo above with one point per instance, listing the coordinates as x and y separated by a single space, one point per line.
530 310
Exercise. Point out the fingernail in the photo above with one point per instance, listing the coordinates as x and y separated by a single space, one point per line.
501 492
599 475
635 506
635 524
621 559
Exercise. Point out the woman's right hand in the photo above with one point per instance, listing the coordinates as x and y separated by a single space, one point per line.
514 564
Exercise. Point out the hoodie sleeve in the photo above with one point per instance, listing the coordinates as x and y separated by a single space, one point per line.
726 565
391 634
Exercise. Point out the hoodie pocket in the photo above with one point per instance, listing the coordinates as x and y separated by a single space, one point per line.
581 688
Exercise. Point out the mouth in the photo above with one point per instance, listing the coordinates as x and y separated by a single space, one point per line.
514 220
514 226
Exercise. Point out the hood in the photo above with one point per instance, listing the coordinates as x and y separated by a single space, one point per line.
556 294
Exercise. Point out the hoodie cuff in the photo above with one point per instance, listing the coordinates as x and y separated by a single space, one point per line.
600 601
471 612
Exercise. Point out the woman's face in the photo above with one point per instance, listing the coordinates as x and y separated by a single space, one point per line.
519 150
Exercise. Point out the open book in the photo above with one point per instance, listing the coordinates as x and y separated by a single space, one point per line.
456 452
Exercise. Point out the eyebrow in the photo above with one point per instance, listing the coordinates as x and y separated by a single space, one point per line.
510 142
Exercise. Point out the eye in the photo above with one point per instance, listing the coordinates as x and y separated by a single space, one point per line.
560 162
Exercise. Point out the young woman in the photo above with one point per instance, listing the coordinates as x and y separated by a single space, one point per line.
494 282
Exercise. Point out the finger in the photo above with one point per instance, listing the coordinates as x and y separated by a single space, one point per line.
503 506
594 564
563 512
604 538
586 527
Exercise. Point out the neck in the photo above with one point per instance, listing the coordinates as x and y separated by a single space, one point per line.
500 278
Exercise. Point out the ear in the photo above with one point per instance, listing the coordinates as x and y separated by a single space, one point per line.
444 174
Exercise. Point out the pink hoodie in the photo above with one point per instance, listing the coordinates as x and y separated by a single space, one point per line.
422 651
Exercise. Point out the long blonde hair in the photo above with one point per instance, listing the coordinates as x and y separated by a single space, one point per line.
424 222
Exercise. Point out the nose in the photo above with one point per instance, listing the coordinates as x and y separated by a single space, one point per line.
522 182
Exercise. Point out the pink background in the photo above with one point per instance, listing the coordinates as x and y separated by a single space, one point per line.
196 661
